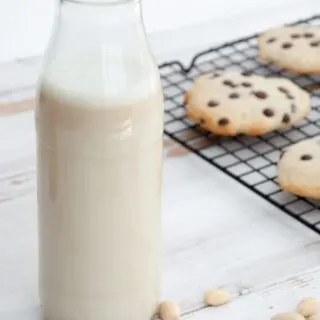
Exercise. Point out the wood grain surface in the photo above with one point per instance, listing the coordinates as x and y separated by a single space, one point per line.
14 108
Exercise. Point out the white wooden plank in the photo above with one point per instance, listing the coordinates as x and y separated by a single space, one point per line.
216 233
17 138
18 252
15 76
18 185
265 302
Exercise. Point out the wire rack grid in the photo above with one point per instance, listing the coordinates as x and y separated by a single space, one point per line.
251 161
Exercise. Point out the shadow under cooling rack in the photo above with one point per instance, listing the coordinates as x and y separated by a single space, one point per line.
249 160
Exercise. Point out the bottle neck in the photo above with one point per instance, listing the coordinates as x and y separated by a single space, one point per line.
101 48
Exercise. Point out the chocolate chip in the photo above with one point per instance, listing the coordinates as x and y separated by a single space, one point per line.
287 45
283 90
260 94
213 103
315 43
246 84
306 157
234 96
268 112
286 118
293 108
286 92
223 122
296 36
308 35
215 75
246 73
202 121
271 40
229 84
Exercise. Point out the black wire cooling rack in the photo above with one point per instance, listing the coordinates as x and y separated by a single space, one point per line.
249 160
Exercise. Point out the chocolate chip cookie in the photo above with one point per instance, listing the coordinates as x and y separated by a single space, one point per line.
295 48
299 168
231 103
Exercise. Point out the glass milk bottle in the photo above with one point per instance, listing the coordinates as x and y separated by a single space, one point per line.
99 122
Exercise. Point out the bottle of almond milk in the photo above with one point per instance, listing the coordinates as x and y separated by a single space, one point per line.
99 122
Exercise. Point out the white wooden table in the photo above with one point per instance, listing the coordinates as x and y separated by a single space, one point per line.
216 232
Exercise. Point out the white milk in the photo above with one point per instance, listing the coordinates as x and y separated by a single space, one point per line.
99 206
99 127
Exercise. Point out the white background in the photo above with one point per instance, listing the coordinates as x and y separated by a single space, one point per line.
25 24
